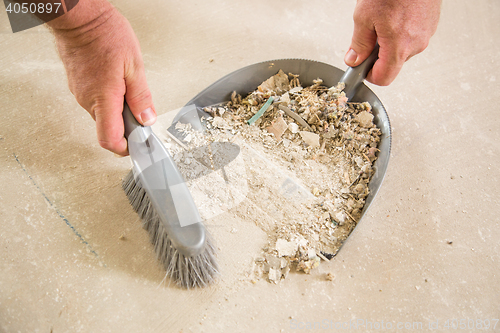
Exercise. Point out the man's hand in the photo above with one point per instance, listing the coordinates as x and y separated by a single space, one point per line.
401 27
104 65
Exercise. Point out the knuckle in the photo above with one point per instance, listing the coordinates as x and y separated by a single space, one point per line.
143 95
83 94
358 16
382 81
385 82
422 45
105 144
97 106
111 145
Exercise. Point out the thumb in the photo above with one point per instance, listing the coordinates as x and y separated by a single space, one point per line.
362 44
138 97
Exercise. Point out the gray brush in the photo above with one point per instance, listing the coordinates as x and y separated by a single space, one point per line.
158 193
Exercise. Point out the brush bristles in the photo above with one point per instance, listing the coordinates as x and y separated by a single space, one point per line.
188 272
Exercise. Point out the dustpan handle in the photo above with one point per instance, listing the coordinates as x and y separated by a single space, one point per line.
354 76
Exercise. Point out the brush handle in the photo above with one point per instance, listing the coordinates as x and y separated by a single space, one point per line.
354 76
132 124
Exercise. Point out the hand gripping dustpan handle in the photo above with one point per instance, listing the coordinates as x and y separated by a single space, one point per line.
354 76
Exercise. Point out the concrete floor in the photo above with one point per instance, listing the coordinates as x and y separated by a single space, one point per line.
428 250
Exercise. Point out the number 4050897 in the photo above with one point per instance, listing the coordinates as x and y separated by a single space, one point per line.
33 8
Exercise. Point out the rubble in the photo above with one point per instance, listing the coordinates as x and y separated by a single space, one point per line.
365 119
310 139
278 127
286 248
322 148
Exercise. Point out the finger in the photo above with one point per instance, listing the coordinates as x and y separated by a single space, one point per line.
362 44
391 58
138 95
109 124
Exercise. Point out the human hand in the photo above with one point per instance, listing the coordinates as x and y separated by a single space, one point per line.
104 65
402 28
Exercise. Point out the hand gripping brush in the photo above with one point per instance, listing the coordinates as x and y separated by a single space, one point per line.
158 193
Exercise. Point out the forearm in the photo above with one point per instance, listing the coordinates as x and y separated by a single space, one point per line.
68 17
85 16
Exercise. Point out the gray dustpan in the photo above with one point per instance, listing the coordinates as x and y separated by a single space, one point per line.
247 79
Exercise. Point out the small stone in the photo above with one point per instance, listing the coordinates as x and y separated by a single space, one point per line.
329 277
371 153
219 122
284 263
278 127
285 98
359 189
342 100
332 132
274 275
273 262
308 265
359 161
295 90
278 83
285 271
311 139
293 127
311 253
366 106
286 248
340 217
366 168
365 119
302 242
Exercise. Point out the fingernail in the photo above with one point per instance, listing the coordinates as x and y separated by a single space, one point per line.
351 57
148 117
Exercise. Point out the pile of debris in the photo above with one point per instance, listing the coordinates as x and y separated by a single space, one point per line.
311 139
